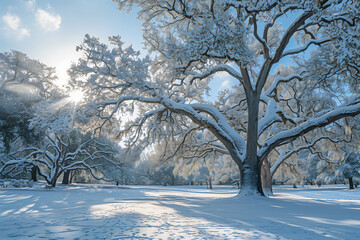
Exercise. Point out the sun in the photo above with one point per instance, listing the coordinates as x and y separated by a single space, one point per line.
76 96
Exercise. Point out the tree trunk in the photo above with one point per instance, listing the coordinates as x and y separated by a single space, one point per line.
250 183
251 170
266 179
351 184
54 179
72 174
66 177
210 183
53 182
172 180
33 173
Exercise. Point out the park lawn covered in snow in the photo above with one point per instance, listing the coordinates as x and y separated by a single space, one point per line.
148 212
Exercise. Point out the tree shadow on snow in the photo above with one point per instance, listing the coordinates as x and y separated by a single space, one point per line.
279 217
171 214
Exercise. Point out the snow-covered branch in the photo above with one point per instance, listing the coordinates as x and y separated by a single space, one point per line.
350 109
218 68
271 116
287 154
288 34
262 41
276 83
306 46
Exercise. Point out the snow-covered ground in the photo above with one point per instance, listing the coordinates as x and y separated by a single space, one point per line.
144 212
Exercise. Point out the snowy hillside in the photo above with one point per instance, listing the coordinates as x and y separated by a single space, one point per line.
108 212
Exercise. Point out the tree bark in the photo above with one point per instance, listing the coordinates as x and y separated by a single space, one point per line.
250 183
33 173
351 183
53 183
172 180
55 177
66 177
72 174
266 178
251 170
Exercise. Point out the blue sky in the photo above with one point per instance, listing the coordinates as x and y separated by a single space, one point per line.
50 30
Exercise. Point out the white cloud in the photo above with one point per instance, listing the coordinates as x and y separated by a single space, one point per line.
48 21
225 84
23 32
12 21
13 24
30 4
222 74
224 78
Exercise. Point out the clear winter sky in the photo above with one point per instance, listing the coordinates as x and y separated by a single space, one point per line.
50 30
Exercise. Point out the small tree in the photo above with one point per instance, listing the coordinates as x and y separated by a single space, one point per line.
350 167
58 156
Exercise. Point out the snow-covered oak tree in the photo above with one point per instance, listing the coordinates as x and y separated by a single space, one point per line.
192 41
62 146
346 166
62 153
350 168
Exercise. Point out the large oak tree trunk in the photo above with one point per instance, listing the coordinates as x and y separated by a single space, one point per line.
251 170
250 183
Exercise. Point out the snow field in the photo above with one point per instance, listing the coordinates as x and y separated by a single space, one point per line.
148 212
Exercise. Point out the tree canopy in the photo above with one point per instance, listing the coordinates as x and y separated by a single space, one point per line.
282 53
